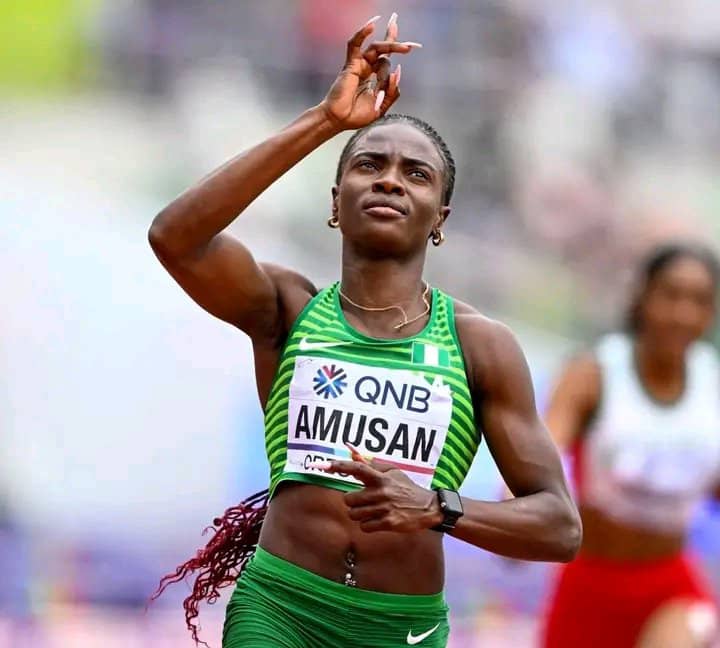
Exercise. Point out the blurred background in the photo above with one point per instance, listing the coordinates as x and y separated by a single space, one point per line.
583 133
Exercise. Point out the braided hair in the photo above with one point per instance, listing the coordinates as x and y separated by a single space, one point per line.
423 127
234 538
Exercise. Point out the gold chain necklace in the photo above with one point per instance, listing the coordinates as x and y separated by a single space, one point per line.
377 309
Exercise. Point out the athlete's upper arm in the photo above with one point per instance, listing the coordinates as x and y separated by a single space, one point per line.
574 400
224 278
505 406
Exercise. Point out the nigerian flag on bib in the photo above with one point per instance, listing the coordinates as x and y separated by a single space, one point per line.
429 354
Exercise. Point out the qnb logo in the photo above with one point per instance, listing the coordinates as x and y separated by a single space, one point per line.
330 381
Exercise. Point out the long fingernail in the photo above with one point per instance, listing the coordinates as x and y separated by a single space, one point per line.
411 44
379 99
354 452
320 465
393 20
372 20
398 74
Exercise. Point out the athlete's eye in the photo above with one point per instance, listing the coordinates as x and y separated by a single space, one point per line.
366 164
419 173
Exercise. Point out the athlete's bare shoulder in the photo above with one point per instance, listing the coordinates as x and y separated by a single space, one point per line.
585 367
294 291
472 324
490 348
580 382
475 327
288 279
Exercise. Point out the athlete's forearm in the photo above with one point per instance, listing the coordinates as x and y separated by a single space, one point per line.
542 526
206 209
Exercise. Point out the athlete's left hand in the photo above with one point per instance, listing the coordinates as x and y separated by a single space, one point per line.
390 501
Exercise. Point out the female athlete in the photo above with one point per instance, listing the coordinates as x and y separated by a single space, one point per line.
642 416
374 390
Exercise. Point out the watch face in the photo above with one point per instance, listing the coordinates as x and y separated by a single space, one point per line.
452 501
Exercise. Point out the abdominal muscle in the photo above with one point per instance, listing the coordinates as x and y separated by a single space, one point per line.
309 526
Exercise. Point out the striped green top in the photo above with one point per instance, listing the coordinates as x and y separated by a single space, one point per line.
403 401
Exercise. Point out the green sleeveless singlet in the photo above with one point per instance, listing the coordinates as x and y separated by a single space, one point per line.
403 401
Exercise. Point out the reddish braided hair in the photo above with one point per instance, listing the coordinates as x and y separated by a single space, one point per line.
222 560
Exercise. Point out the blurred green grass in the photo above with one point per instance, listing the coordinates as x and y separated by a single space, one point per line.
43 45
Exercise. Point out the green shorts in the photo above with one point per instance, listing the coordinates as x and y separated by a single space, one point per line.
279 605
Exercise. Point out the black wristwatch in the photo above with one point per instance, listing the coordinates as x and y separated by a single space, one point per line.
451 507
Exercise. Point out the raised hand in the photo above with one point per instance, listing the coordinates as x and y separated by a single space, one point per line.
382 75
354 99
390 500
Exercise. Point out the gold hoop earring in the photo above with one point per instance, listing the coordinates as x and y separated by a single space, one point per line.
438 236
333 221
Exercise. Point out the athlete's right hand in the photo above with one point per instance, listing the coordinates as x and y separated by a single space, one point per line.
351 100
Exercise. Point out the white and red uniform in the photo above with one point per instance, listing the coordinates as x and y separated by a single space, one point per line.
647 465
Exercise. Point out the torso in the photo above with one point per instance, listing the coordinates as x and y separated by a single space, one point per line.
643 466
308 525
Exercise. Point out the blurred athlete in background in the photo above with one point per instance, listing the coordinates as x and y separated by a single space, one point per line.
641 415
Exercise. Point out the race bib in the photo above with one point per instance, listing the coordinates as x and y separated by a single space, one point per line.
394 415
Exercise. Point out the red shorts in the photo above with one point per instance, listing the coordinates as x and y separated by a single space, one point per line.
598 603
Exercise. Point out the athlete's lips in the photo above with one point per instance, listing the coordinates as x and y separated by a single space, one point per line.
384 207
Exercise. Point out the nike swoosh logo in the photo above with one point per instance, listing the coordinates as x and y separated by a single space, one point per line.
305 345
412 640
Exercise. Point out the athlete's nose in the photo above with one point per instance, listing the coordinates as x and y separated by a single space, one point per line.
388 184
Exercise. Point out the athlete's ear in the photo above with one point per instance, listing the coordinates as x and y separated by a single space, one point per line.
335 194
442 217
